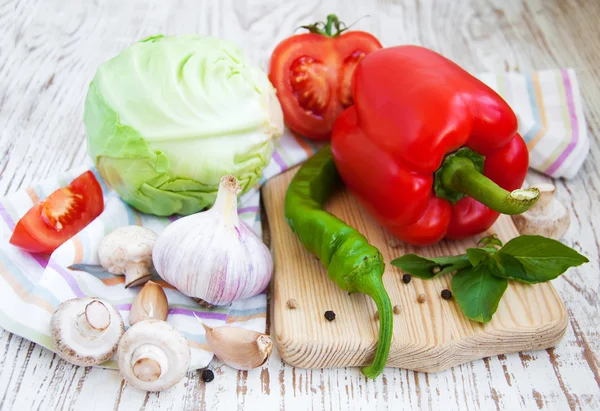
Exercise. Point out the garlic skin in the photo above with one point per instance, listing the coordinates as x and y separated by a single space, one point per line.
239 348
213 255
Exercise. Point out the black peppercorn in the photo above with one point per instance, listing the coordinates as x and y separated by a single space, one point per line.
406 278
329 315
208 375
446 294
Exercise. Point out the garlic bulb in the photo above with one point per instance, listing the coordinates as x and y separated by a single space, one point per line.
213 255
239 348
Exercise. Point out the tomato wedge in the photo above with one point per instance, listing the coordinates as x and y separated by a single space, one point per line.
60 216
312 73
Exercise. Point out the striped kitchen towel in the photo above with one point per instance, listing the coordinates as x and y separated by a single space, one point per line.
548 105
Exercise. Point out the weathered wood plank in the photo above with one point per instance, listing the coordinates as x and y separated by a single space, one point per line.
48 53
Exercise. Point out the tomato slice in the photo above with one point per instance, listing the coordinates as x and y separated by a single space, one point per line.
60 216
313 76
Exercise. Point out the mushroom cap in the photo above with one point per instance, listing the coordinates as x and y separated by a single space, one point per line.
82 346
163 344
126 245
548 217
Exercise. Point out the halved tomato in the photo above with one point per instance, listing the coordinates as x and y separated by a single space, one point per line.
312 73
60 216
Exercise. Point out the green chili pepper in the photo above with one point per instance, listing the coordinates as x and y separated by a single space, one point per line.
354 264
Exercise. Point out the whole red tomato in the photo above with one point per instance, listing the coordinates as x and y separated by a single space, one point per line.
60 216
312 73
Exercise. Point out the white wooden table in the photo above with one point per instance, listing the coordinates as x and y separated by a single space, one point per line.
49 50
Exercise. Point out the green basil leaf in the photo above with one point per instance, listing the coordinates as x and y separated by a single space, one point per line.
425 268
541 258
512 269
477 292
455 267
477 255
416 265
451 260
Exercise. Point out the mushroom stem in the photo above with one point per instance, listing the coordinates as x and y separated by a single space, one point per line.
149 362
97 315
153 356
136 274
94 319
147 370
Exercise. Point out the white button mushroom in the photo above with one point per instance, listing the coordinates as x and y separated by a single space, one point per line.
86 331
152 355
128 251
548 217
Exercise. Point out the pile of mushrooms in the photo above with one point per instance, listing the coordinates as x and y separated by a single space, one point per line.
152 355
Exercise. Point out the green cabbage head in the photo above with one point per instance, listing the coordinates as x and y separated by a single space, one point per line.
169 116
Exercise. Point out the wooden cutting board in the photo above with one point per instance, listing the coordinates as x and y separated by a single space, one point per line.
429 336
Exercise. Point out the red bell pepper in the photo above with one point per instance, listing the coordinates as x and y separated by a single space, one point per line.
429 150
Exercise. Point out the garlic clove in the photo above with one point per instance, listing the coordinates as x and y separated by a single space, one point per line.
239 348
150 303
265 346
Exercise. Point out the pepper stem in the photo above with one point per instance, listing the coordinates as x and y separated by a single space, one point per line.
372 286
459 176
